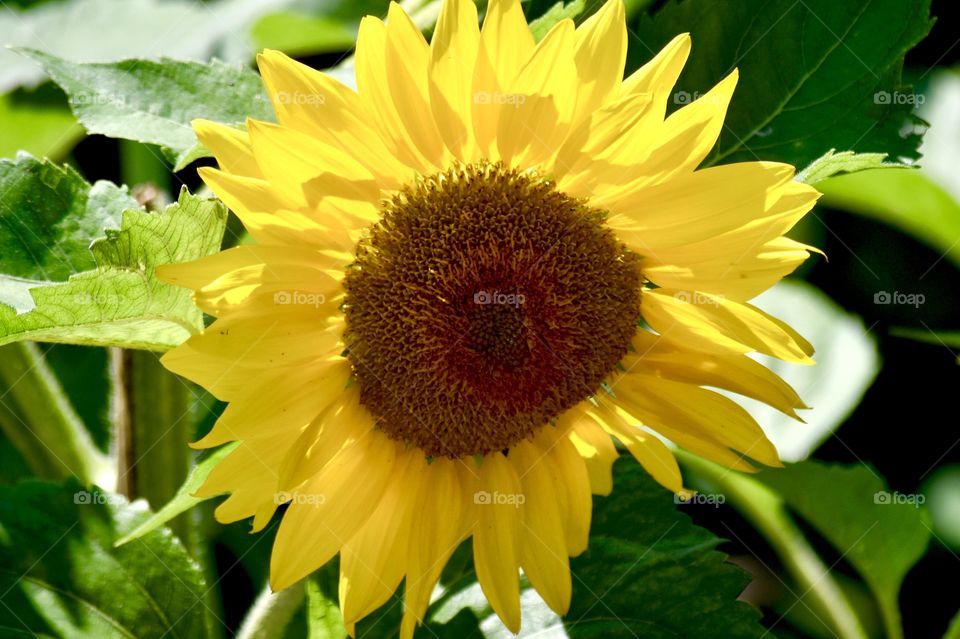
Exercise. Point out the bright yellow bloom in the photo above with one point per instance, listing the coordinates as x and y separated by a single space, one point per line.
470 276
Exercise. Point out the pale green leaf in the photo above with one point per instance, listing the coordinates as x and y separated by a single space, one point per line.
184 500
120 302
832 163
154 102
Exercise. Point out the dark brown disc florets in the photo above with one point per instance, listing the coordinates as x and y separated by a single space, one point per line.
482 305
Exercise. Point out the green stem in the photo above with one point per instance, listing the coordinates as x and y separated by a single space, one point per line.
40 422
271 612
766 511
152 416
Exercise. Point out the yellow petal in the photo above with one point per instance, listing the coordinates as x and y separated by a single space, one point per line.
340 429
439 491
327 511
576 500
314 103
652 453
543 547
715 325
372 562
543 97
737 373
496 540
453 54
697 206
374 87
598 451
505 45
229 145
658 76
601 51
697 410
407 62
291 408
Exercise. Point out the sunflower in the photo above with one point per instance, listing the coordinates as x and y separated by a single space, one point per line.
470 277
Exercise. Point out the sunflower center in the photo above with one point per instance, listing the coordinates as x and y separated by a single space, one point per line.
482 305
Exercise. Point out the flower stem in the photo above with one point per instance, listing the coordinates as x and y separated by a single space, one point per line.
40 422
764 509
271 612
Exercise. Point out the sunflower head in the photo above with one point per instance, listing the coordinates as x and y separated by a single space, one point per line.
474 273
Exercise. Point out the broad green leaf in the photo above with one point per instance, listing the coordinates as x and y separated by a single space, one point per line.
560 11
184 499
814 75
154 102
37 124
880 532
646 562
120 302
832 163
48 217
62 576
903 198
847 363
110 30
324 620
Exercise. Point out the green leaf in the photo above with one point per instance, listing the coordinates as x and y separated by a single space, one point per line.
882 534
832 163
560 11
906 199
121 303
814 75
184 499
38 124
647 563
49 217
847 363
324 620
62 576
154 102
